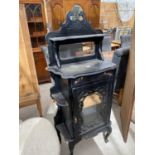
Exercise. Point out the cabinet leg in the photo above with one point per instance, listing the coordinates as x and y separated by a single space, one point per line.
39 108
71 147
106 134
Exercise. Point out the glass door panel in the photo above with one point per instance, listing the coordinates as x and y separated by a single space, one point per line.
35 24
92 111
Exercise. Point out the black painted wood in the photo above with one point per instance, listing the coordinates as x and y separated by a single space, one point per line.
77 78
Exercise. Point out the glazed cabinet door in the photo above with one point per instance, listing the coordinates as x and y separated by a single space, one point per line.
36 21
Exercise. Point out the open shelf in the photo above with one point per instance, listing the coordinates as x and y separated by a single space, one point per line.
36 49
36 20
38 34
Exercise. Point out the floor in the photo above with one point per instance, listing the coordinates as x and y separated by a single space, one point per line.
96 145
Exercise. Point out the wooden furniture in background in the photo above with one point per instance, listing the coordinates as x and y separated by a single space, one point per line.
59 9
36 22
115 45
129 90
28 84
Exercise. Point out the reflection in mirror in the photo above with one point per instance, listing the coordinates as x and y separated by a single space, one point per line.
70 51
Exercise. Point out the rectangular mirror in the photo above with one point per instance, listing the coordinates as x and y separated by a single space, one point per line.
70 51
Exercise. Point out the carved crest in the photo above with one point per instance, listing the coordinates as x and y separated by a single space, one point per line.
76 23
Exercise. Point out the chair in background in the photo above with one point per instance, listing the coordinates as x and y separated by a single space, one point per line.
106 44
120 58
121 31
125 40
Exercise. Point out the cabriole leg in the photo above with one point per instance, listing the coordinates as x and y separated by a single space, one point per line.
71 147
107 133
